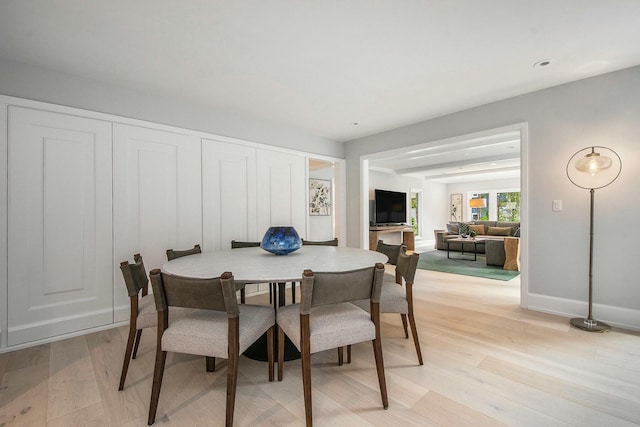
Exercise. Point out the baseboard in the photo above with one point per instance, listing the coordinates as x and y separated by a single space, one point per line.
625 318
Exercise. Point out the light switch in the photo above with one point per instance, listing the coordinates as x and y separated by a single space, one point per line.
557 205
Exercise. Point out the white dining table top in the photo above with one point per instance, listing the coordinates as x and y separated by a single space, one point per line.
255 265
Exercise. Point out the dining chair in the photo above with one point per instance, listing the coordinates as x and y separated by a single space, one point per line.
219 327
332 242
173 254
325 319
142 312
392 252
235 244
398 299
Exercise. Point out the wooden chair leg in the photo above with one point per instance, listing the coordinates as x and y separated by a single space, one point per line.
270 293
232 380
340 356
137 343
127 355
280 353
293 292
404 325
377 352
414 333
349 353
270 338
305 354
210 363
161 358
243 296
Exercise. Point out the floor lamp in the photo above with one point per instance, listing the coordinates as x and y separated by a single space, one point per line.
592 168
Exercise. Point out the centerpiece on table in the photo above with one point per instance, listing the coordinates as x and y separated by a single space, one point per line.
281 240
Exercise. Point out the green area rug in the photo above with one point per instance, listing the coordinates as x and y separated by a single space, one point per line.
438 261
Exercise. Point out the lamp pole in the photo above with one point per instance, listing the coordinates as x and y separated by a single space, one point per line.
590 169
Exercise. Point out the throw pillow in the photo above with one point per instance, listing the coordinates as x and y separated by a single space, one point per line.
478 228
453 228
499 231
464 227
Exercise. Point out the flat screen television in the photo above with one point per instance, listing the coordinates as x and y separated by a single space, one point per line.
390 207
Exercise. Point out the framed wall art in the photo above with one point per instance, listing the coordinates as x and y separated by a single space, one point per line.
319 197
456 208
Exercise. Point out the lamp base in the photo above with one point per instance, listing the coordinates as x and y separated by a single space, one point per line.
590 325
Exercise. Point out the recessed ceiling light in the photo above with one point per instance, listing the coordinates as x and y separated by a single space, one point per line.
542 63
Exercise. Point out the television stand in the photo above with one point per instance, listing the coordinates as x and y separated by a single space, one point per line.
407 235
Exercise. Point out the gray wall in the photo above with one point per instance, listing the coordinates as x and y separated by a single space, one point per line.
603 110
29 82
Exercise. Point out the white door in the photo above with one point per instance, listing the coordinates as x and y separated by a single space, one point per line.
156 198
281 191
228 194
60 236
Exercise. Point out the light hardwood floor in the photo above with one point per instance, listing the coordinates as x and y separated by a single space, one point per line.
487 362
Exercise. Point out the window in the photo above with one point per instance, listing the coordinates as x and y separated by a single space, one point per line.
415 212
481 214
509 206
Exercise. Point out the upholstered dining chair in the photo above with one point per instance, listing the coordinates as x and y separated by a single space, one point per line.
235 244
219 327
325 319
332 242
392 252
142 310
173 254
398 299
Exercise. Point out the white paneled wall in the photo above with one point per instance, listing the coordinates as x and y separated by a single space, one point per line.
59 259
156 200
88 190
229 183
281 190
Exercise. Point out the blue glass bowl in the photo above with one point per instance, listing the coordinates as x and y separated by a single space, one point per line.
281 240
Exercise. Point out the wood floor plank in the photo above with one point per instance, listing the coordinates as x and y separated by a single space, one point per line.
72 380
24 396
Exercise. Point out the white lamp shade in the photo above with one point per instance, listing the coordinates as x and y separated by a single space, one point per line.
594 167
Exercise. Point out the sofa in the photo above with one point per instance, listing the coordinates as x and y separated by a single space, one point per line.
493 231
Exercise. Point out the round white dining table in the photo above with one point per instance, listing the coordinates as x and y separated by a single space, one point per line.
255 265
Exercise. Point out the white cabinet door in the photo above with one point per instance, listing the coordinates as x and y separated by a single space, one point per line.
228 194
60 237
281 191
156 198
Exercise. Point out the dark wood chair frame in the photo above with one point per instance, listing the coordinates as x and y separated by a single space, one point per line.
135 277
406 271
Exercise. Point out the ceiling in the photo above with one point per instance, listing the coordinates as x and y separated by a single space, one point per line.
485 158
334 69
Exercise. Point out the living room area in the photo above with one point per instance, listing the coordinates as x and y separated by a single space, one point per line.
463 202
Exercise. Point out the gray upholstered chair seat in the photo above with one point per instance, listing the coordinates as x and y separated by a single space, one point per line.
331 326
205 332
147 315
393 299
